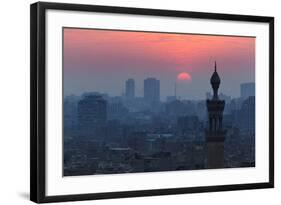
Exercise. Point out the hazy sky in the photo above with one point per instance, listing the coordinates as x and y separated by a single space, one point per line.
102 60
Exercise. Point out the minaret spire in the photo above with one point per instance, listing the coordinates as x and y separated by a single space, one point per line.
215 82
215 66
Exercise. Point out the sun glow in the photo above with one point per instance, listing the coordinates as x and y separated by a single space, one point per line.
184 76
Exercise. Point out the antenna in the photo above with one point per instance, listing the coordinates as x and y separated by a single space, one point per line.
122 92
176 89
215 66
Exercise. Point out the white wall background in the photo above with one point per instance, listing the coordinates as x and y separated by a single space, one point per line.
14 101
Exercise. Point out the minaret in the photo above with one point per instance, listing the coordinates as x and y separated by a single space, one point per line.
215 135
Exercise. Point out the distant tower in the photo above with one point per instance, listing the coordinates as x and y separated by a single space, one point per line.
215 135
130 88
247 90
152 90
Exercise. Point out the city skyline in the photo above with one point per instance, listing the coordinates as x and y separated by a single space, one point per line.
164 57
246 90
110 135
147 102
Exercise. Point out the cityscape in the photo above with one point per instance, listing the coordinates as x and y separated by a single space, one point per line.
124 134
156 123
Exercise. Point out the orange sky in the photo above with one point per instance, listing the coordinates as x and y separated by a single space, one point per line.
161 55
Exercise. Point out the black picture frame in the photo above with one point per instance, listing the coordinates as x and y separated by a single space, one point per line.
38 100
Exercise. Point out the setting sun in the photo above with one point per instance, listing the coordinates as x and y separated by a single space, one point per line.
184 76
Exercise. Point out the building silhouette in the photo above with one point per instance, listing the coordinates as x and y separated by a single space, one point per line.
130 88
247 90
215 135
247 115
152 90
92 113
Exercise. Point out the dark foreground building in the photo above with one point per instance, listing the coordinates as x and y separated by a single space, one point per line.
92 114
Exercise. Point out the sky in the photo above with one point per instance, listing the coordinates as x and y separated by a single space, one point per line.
102 60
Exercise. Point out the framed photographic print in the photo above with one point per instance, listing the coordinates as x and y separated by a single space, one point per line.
129 102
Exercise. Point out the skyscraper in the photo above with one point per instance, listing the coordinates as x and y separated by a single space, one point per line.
247 115
130 88
152 90
247 90
92 112
215 135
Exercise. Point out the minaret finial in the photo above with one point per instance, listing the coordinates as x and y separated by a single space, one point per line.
215 66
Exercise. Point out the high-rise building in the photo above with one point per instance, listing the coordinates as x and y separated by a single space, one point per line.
92 112
152 90
247 90
130 88
215 135
246 120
